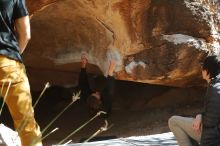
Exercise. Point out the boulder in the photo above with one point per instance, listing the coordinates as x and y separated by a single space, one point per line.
156 42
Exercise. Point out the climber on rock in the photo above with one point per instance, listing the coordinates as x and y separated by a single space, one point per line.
97 100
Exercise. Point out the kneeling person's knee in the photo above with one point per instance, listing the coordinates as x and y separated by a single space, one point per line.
172 121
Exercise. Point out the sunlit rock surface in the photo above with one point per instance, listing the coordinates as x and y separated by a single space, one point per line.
157 42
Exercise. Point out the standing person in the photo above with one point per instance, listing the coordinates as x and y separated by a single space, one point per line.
205 127
14 36
97 100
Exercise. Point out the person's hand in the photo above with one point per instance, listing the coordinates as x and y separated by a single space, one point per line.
84 61
111 68
197 124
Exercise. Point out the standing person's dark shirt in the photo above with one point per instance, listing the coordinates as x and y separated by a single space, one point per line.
10 10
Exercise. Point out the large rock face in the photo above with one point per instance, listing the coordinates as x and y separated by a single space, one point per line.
158 42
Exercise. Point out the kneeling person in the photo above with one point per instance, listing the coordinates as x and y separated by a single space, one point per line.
205 127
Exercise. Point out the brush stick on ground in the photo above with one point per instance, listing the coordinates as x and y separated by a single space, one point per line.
74 99
86 123
5 96
47 85
54 130
24 123
102 129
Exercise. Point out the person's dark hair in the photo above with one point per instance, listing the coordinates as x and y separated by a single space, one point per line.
212 65
93 103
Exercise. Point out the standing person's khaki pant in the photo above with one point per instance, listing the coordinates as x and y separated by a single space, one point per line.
182 130
19 100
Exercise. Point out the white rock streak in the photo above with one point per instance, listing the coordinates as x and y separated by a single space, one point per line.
185 39
113 53
130 67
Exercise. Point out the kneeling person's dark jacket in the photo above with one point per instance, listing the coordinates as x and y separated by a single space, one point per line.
211 114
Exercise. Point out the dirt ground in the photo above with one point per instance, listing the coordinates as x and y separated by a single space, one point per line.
126 123
138 110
